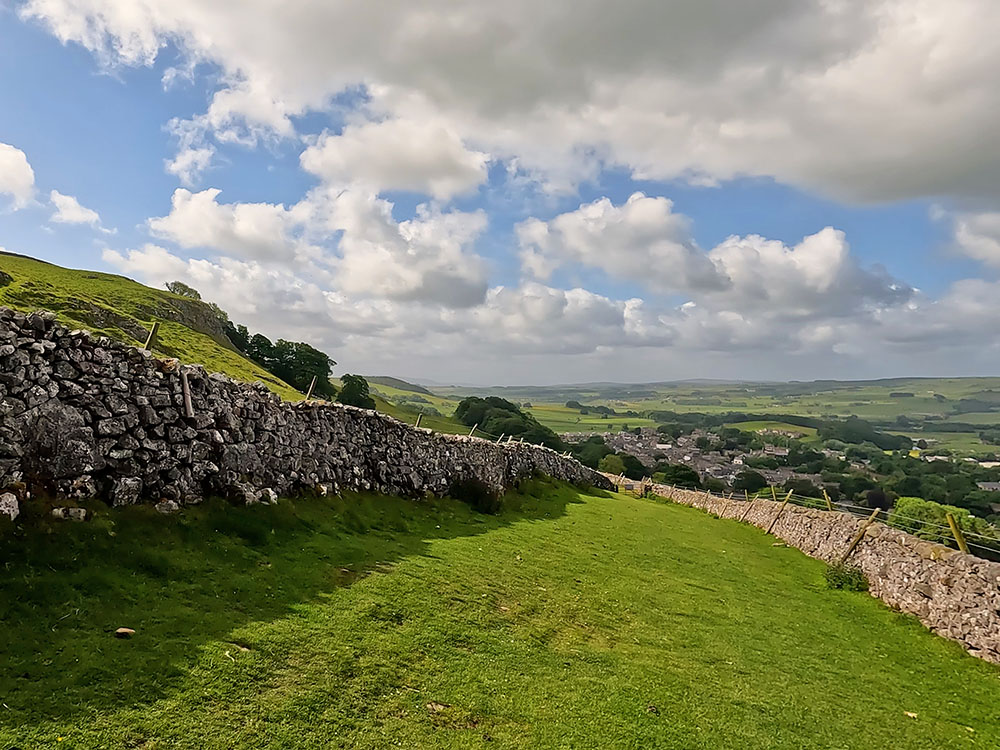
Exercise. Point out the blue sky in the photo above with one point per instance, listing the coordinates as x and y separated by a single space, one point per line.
444 210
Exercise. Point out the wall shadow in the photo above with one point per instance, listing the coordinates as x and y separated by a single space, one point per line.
190 579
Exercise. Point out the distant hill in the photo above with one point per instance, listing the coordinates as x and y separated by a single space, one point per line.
400 385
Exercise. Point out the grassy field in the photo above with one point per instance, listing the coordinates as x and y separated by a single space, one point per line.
444 424
123 309
968 400
562 419
568 621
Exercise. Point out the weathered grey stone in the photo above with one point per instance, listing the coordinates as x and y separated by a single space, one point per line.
9 506
126 491
167 506
71 514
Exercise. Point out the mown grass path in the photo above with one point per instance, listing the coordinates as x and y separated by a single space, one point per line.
568 622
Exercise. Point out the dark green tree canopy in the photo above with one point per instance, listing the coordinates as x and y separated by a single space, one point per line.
498 416
749 480
354 392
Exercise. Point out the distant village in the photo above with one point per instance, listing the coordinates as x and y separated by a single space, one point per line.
653 448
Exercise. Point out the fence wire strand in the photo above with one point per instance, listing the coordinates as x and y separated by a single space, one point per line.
915 526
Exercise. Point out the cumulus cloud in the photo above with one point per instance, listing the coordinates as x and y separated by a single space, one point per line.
346 235
867 100
17 178
422 157
978 235
189 163
429 258
645 241
250 230
69 211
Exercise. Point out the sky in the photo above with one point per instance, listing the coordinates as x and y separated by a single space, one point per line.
524 192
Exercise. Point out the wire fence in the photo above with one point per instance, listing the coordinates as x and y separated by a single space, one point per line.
982 545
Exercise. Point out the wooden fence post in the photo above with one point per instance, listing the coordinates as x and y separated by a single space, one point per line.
857 537
417 423
151 338
826 496
472 431
312 385
747 511
957 533
778 514
186 389
774 494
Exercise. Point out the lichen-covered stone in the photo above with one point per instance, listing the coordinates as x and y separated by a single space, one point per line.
9 506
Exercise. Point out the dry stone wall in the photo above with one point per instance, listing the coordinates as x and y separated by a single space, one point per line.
954 594
82 416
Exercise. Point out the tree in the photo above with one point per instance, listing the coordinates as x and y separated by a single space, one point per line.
634 468
497 416
574 405
591 451
612 464
749 480
680 475
354 392
182 290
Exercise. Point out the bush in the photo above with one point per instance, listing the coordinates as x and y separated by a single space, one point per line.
929 520
748 480
477 494
847 577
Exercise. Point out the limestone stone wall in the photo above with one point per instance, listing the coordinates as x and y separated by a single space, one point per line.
954 594
82 416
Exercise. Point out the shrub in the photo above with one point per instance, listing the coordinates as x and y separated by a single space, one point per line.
477 494
929 520
847 577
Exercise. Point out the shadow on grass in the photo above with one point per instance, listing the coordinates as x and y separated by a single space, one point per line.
186 580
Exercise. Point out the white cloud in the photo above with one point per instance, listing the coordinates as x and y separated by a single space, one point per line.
514 332
978 235
17 178
347 234
69 211
423 157
643 239
868 100
429 258
189 163
251 230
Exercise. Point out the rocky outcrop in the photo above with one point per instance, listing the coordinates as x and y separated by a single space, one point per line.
954 594
88 417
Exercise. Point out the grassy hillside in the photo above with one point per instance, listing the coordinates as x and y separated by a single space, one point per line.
568 621
125 310
395 402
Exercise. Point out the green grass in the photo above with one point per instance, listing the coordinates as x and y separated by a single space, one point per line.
561 419
568 621
446 424
123 309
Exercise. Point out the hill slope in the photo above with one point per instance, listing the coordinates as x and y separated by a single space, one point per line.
570 620
123 309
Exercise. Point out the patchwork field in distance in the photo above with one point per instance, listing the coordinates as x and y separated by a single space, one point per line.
909 406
